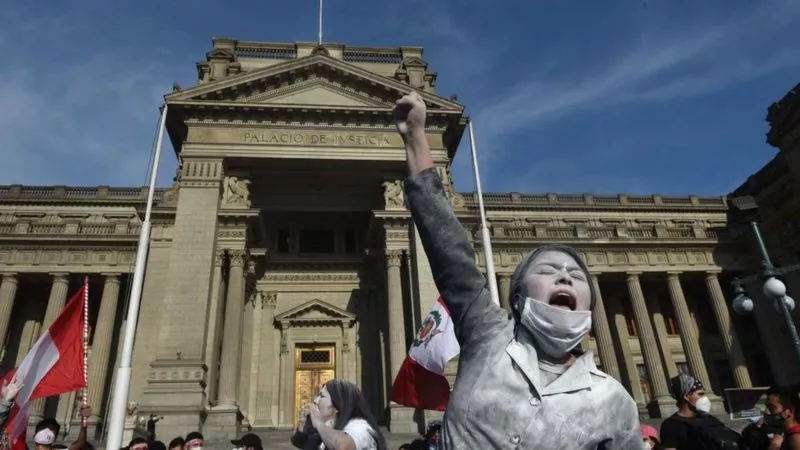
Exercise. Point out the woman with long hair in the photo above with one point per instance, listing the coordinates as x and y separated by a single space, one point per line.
523 380
338 419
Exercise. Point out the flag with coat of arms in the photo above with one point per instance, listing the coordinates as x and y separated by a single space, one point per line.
421 383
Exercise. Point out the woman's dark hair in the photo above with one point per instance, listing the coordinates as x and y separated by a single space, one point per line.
517 291
350 402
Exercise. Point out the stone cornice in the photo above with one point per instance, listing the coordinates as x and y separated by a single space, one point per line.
595 202
72 195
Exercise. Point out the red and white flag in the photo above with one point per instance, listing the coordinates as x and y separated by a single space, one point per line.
53 366
421 383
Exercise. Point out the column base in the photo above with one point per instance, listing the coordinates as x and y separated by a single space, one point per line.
717 405
663 407
405 420
222 424
175 390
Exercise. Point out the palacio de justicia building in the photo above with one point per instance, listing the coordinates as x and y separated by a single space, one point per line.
283 254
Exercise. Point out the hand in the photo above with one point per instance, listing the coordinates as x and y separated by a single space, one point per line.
316 416
776 443
301 419
409 114
10 390
86 412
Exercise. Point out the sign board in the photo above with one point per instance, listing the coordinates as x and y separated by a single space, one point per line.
746 403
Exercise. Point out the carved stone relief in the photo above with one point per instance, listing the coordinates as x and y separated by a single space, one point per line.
236 192
393 194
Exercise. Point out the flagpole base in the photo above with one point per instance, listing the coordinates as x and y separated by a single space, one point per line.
405 420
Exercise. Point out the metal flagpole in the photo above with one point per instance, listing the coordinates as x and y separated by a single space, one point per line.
487 243
319 36
119 400
85 399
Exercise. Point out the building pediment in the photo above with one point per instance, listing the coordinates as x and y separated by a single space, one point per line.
315 312
315 80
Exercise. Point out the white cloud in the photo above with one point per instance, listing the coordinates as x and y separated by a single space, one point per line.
723 54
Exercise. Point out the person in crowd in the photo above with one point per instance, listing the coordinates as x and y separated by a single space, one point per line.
8 392
176 444
249 441
755 436
433 436
138 443
339 416
650 437
156 445
781 419
692 427
194 440
522 380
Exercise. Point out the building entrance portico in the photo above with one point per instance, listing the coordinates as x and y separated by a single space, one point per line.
289 200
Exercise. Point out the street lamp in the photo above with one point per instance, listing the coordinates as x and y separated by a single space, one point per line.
773 288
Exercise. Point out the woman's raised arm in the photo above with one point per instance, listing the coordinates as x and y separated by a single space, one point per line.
452 259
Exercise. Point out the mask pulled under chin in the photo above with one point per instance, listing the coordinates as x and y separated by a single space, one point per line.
556 330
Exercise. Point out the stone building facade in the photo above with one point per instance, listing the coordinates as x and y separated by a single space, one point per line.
283 254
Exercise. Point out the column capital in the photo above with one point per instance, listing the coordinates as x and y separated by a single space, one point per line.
111 276
712 274
237 257
393 257
60 277
269 299
219 257
10 277
674 274
630 276
504 276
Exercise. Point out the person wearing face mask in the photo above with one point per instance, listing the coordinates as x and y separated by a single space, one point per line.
650 438
340 417
523 381
781 420
692 427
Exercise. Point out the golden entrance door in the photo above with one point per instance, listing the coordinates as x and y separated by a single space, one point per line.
313 366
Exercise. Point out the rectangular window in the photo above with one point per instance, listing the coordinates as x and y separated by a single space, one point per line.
669 316
317 241
627 311
350 241
284 238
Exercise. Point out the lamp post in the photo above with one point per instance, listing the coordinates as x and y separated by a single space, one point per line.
773 287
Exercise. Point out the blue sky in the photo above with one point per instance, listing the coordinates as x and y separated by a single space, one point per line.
634 96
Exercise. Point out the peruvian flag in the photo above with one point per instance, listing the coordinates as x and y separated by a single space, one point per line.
420 383
54 365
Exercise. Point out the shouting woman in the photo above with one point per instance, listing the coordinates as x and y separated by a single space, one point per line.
523 382
338 419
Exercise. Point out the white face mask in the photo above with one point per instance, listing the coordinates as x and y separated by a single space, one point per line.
648 445
703 405
556 330
44 437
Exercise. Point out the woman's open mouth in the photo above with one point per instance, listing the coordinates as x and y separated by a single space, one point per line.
563 299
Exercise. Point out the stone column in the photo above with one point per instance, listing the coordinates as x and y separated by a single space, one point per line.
214 318
504 282
232 333
397 335
691 342
55 304
728 334
647 338
602 334
101 345
8 290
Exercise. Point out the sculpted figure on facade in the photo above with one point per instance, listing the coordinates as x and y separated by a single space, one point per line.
236 192
393 194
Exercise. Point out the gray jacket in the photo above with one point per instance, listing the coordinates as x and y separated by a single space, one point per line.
498 401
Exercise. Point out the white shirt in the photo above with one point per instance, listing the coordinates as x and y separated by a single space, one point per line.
361 433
